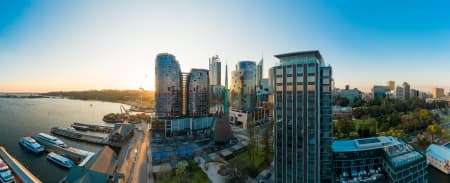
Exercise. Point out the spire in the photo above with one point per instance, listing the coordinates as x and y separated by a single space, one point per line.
225 93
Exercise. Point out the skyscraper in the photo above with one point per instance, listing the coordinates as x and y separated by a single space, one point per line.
406 90
167 86
197 93
259 73
437 92
243 87
302 112
215 71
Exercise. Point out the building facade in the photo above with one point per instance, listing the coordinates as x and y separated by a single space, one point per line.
378 158
390 85
439 157
437 92
302 112
215 72
259 74
379 92
399 92
243 87
168 90
406 90
197 93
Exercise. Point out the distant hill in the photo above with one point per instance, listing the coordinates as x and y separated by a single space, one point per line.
129 97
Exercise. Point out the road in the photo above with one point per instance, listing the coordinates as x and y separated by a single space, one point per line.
139 172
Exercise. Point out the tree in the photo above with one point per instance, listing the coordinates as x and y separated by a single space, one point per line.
435 131
344 126
257 137
342 101
395 133
237 170
251 145
267 149
181 174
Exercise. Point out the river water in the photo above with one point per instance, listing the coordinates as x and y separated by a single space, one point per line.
27 117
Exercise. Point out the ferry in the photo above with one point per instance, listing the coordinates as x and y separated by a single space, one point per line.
6 175
60 160
51 139
31 145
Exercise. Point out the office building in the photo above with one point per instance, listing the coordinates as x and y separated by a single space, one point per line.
302 113
439 157
197 93
379 92
168 90
215 71
352 95
378 159
414 93
259 74
437 92
406 90
243 87
390 85
399 92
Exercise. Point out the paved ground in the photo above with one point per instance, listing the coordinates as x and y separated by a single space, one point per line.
139 171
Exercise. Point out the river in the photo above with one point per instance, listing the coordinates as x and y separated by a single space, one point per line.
27 117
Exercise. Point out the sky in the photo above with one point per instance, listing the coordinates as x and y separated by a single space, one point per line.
49 45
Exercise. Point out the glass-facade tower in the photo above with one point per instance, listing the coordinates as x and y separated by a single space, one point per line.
197 93
243 87
302 112
168 89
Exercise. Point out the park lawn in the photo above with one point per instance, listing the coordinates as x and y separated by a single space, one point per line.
259 156
445 120
196 176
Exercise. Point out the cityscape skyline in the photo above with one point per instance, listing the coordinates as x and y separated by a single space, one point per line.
102 41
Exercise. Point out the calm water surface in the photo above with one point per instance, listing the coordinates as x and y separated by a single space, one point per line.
27 117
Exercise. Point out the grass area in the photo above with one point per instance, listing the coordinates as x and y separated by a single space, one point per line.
445 120
197 176
259 156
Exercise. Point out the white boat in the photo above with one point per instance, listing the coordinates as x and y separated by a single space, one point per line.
5 174
31 145
60 160
51 139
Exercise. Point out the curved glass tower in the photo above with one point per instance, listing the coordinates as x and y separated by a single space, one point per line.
198 94
167 86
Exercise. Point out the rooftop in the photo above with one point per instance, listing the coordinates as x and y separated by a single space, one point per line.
402 154
438 152
301 57
364 144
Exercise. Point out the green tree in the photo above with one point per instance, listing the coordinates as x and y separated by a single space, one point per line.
251 145
268 152
344 126
181 174
237 170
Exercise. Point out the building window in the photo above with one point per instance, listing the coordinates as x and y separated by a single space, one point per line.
289 70
311 87
311 79
326 72
325 89
326 81
311 69
299 70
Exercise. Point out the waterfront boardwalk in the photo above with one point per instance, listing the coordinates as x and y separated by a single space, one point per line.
21 174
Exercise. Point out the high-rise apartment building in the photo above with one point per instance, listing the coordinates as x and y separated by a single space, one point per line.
437 92
215 71
168 91
399 92
302 112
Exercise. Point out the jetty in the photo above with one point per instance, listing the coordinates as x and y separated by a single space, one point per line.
73 134
94 128
21 174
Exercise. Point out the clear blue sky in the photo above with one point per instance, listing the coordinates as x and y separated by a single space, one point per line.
77 45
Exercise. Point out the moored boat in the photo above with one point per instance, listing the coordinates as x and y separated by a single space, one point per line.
51 139
6 175
31 145
60 160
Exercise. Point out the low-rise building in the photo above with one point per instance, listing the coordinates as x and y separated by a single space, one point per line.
439 157
377 158
379 92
